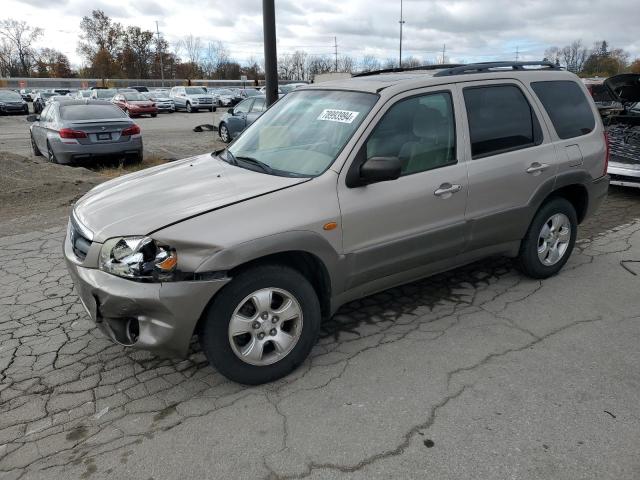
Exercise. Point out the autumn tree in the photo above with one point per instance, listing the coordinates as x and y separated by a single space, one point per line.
100 43
18 38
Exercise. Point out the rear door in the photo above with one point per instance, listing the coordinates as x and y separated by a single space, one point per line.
511 158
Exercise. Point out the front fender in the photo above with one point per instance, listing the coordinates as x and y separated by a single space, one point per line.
298 240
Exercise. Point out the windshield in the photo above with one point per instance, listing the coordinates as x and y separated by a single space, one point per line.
8 96
251 93
105 93
133 97
224 91
194 90
305 131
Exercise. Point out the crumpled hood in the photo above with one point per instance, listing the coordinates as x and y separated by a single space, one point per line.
625 86
148 200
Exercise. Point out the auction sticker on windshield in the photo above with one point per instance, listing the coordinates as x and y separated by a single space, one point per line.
342 116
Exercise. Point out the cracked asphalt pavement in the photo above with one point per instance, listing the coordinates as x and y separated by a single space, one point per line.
476 373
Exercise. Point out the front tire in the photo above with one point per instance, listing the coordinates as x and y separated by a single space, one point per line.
154 115
223 131
189 108
262 325
549 241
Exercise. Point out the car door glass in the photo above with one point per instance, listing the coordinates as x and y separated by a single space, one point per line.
243 107
420 131
500 120
258 105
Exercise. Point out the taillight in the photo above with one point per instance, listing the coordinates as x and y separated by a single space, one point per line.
70 133
607 152
132 130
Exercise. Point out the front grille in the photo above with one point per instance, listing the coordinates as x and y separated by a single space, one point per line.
205 100
79 244
624 143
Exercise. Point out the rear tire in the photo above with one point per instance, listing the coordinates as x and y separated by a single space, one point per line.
34 148
51 156
154 115
550 238
281 331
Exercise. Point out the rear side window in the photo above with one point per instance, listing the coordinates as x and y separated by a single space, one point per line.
567 107
500 120
90 112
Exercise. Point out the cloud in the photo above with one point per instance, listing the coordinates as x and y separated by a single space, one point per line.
471 29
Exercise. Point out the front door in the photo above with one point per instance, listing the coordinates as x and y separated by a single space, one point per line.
395 226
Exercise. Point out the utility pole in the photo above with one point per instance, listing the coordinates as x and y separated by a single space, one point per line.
444 49
517 52
335 44
160 55
270 53
401 22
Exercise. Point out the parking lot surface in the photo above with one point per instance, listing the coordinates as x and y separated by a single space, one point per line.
476 373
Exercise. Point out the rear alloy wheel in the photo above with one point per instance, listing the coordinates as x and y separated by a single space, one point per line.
262 325
223 131
34 148
51 156
549 241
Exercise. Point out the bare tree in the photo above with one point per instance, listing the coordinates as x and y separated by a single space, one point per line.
214 58
552 55
19 37
369 63
346 64
573 56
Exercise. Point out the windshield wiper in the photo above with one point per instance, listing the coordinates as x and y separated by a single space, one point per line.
254 161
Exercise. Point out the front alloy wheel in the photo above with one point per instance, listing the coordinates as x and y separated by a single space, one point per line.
224 133
261 325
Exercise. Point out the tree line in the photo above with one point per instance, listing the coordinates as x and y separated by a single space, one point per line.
599 61
111 50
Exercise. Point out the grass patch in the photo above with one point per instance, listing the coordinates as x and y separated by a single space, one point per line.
113 171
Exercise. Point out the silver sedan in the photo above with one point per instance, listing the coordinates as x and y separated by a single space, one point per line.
70 131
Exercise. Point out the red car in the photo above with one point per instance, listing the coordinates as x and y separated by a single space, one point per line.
135 104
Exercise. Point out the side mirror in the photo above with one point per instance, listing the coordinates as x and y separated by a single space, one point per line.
380 169
33 118
230 111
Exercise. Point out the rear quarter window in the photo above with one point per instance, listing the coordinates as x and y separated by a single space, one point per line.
567 107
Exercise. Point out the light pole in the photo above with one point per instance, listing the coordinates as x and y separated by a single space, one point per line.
160 54
270 54
401 22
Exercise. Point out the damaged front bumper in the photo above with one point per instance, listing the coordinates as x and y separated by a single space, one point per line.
161 317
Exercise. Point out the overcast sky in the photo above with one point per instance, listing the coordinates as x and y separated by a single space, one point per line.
473 30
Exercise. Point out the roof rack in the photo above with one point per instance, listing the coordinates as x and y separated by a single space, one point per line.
484 67
409 69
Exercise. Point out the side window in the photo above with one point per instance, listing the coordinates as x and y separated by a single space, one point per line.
258 105
45 113
566 106
243 107
500 120
420 131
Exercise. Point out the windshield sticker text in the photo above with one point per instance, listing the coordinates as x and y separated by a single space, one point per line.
342 116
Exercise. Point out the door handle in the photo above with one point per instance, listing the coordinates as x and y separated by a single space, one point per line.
537 168
446 190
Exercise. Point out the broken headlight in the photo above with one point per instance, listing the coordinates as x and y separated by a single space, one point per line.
138 258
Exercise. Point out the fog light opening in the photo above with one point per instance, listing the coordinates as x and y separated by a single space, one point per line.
124 331
133 330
